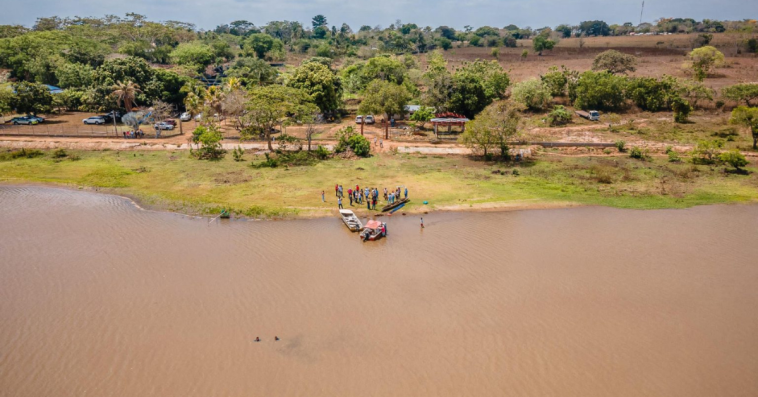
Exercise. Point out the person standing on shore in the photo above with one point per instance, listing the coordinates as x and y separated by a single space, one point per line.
350 196
337 190
342 192
422 222
406 192
323 200
339 202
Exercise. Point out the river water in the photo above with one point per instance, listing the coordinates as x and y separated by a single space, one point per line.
100 298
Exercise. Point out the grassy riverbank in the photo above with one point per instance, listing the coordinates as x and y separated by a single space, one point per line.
177 182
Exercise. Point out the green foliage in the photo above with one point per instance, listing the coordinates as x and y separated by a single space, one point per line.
594 28
382 97
21 153
322 153
31 98
746 117
322 85
269 106
746 92
674 157
555 81
752 45
494 79
600 91
258 45
621 146
195 54
252 71
706 151
74 75
734 158
423 115
681 108
542 42
59 154
493 129
653 94
559 116
348 138
614 62
704 59
637 153
532 94
468 95
238 154
209 140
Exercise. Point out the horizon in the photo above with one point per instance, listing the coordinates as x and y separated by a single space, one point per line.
446 13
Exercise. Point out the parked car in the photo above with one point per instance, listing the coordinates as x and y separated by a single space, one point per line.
25 120
38 118
592 115
370 119
117 114
107 118
359 120
186 116
170 121
94 120
163 126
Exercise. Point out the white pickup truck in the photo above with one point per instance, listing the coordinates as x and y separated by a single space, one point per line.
592 115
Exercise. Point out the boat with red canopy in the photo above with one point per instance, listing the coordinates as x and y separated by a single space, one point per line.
373 230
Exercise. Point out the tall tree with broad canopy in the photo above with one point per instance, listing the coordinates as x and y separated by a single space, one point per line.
269 106
615 62
747 117
493 128
704 59
30 98
383 97
320 83
741 92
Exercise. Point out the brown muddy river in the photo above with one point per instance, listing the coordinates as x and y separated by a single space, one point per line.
99 298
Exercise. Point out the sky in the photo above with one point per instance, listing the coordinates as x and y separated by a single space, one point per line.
207 14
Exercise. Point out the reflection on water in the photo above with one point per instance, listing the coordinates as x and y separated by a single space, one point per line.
99 298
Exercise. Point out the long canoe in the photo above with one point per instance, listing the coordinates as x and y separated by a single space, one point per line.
395 204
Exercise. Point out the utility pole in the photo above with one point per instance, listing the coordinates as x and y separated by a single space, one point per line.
641 11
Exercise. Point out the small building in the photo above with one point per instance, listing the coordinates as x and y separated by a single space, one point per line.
449 120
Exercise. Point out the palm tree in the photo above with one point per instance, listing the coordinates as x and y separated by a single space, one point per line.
126 92
193 103
232 84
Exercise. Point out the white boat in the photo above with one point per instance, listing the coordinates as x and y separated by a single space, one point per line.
351 221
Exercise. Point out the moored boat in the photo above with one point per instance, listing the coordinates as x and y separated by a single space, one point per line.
351 221
395 204
374 230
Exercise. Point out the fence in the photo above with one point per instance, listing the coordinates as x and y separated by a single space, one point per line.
76 131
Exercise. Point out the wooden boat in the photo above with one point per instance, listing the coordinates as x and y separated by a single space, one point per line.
374 230
351 221
395 204
392 211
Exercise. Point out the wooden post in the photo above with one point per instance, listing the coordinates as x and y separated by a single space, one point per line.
435 131
362 122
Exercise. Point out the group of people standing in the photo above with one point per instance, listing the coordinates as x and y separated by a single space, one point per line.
369 195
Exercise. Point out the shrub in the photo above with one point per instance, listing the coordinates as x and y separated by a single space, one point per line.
706 151
621 146
734 158
555 81
681 108
652 94
22 153
637 153
532 94
59 154
238 154
741 92
347 138
209 141
600 91
559 116
322 153
704 59
270 162
614 62
674 157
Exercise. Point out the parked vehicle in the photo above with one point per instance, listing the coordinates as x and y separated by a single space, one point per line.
359 120
592 115
163 126
106 117
186 116
373 230
38 118
99 120
23 120
170 121
370 119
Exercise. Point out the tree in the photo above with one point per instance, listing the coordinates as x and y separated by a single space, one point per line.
258 45
319 21
468 95
741 92
423 115
493 129
594 28
706 151
193 103
31 98
126 93
386 98
274 105
695 91
438 82
615 62
681 108
208 140
555 81
494 79
196 55
734 158
565 30
747 117
532 94
74 75
542 42
600 91
653 94
704 59
318 81
252 71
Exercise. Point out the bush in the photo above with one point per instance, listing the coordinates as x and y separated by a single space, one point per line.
270 162
734 158
706 152
238 154
532 94
555 81
681 108
652 94
637 153
621 146
347 138
600 91
209 141
22 153
704 59
615 62
559 116
59 154
674 157
322 153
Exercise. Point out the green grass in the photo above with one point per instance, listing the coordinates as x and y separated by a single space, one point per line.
177 182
